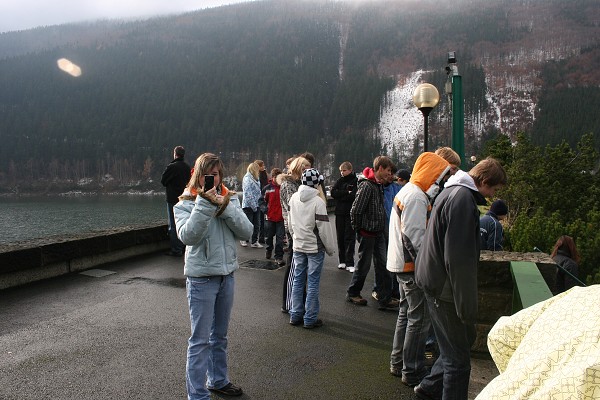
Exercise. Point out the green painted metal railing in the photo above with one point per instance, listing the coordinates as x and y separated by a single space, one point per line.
529 286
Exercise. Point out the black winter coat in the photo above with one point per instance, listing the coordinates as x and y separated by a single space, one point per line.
175 177
344 192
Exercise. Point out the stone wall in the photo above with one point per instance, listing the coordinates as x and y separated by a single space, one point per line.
42 259
496 287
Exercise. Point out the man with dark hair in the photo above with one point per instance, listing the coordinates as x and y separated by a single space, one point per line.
174 179
490 227
368 220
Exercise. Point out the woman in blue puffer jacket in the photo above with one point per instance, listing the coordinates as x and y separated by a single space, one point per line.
252 193
209 223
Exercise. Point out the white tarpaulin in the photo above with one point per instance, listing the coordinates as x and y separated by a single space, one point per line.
550 350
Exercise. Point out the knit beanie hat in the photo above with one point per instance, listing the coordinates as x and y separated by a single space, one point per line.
499 207
404 174
311 177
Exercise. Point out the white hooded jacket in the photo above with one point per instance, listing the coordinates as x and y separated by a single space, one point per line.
309 224
410 212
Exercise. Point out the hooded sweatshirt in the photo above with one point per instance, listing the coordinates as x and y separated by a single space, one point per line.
410 212
309 224
446 265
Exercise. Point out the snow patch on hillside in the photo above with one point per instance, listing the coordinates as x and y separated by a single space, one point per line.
401 122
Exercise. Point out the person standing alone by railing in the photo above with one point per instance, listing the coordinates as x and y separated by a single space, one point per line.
174 179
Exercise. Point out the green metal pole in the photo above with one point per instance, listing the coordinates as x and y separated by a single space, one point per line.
458 120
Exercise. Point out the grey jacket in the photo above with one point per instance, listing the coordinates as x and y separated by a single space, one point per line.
446 265
211 241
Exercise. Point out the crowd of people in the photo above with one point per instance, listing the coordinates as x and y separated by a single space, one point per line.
420 229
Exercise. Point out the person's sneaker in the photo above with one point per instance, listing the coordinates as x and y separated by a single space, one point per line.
228 390
243 243
342 266
396 371
280 262
296 323
391 305
422 394
269 254
256 245
358 300
351 269
374 295
316 324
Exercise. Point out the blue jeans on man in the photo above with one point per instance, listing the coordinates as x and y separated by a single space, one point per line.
449 376
306 265
412 327
372 248
177 247
210 300
277 230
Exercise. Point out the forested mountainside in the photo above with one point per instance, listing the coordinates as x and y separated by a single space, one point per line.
269 79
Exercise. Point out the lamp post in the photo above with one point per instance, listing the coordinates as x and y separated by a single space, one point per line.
426 97
458 110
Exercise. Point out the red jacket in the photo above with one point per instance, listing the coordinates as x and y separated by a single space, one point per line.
273 202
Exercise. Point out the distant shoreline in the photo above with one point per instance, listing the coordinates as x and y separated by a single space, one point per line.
79 193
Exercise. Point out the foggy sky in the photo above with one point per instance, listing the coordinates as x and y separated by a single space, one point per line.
26 14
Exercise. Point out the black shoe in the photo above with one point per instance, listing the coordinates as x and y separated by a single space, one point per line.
422 394
173 254
391 305
316 324
268 254
229 390
407 383
284 310
358 300
296 323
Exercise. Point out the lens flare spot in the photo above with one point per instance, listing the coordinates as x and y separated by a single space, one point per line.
68 67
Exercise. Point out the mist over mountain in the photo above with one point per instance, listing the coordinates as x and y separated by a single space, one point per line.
270 79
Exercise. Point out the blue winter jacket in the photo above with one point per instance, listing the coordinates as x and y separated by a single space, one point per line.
252 194
491 232
211 241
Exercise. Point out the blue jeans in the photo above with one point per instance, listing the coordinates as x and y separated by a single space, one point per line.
412 327
449 376
311 265
210 300
176 245
254 217
276 229
372 248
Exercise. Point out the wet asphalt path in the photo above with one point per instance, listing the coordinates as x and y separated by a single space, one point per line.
123 336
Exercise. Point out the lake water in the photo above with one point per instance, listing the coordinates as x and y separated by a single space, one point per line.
40 217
